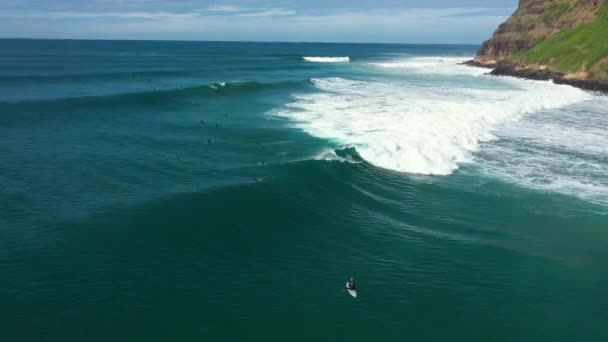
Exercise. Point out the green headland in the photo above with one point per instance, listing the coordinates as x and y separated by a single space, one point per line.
564 40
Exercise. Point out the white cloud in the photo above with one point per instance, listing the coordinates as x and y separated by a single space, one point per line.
94 15
223 8
230 11
273 12
448 25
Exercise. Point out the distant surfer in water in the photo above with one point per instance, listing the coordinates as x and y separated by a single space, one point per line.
351 284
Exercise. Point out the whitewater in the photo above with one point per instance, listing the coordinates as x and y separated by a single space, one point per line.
434 116
326 59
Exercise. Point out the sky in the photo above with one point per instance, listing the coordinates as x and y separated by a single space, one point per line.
382 21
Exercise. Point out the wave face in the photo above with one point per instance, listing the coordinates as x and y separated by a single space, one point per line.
154 97
327 59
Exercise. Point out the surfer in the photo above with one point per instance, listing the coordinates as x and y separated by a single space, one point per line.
351 284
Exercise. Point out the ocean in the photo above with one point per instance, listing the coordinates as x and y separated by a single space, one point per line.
226 191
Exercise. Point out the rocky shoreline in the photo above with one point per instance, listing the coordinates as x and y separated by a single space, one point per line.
508 69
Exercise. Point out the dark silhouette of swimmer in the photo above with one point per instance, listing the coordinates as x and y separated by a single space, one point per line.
351 284
202 122
262 163
209 141
217 125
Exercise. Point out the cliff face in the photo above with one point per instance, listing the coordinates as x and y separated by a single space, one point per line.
566 40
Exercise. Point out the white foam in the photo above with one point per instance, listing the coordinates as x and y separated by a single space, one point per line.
533 133
560 150
218 85
432 65
411 129
331 155
327 59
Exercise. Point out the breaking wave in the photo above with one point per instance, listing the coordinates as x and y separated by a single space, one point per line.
416 130
432 65
404 126
327 59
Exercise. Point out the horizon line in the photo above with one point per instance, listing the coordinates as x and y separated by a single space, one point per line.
232 41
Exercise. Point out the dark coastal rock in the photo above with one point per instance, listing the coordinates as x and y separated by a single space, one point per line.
508 69
475 63
535 74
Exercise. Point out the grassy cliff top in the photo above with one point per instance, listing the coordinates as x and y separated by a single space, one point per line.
580 49
565 36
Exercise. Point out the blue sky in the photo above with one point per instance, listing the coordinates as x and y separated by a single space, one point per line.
405 21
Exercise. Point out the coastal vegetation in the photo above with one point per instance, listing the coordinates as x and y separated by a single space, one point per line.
565 40
580 49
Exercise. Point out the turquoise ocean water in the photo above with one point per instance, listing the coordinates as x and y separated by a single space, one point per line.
468 207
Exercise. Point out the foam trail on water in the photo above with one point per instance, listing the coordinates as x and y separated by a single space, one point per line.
327 59
562 150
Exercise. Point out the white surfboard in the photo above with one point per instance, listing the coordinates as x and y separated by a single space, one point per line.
353 293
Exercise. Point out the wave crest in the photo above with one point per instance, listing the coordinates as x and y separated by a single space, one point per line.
152 97
432 65
346 154
327 59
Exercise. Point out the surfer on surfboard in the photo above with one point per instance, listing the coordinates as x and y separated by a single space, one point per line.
351 287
